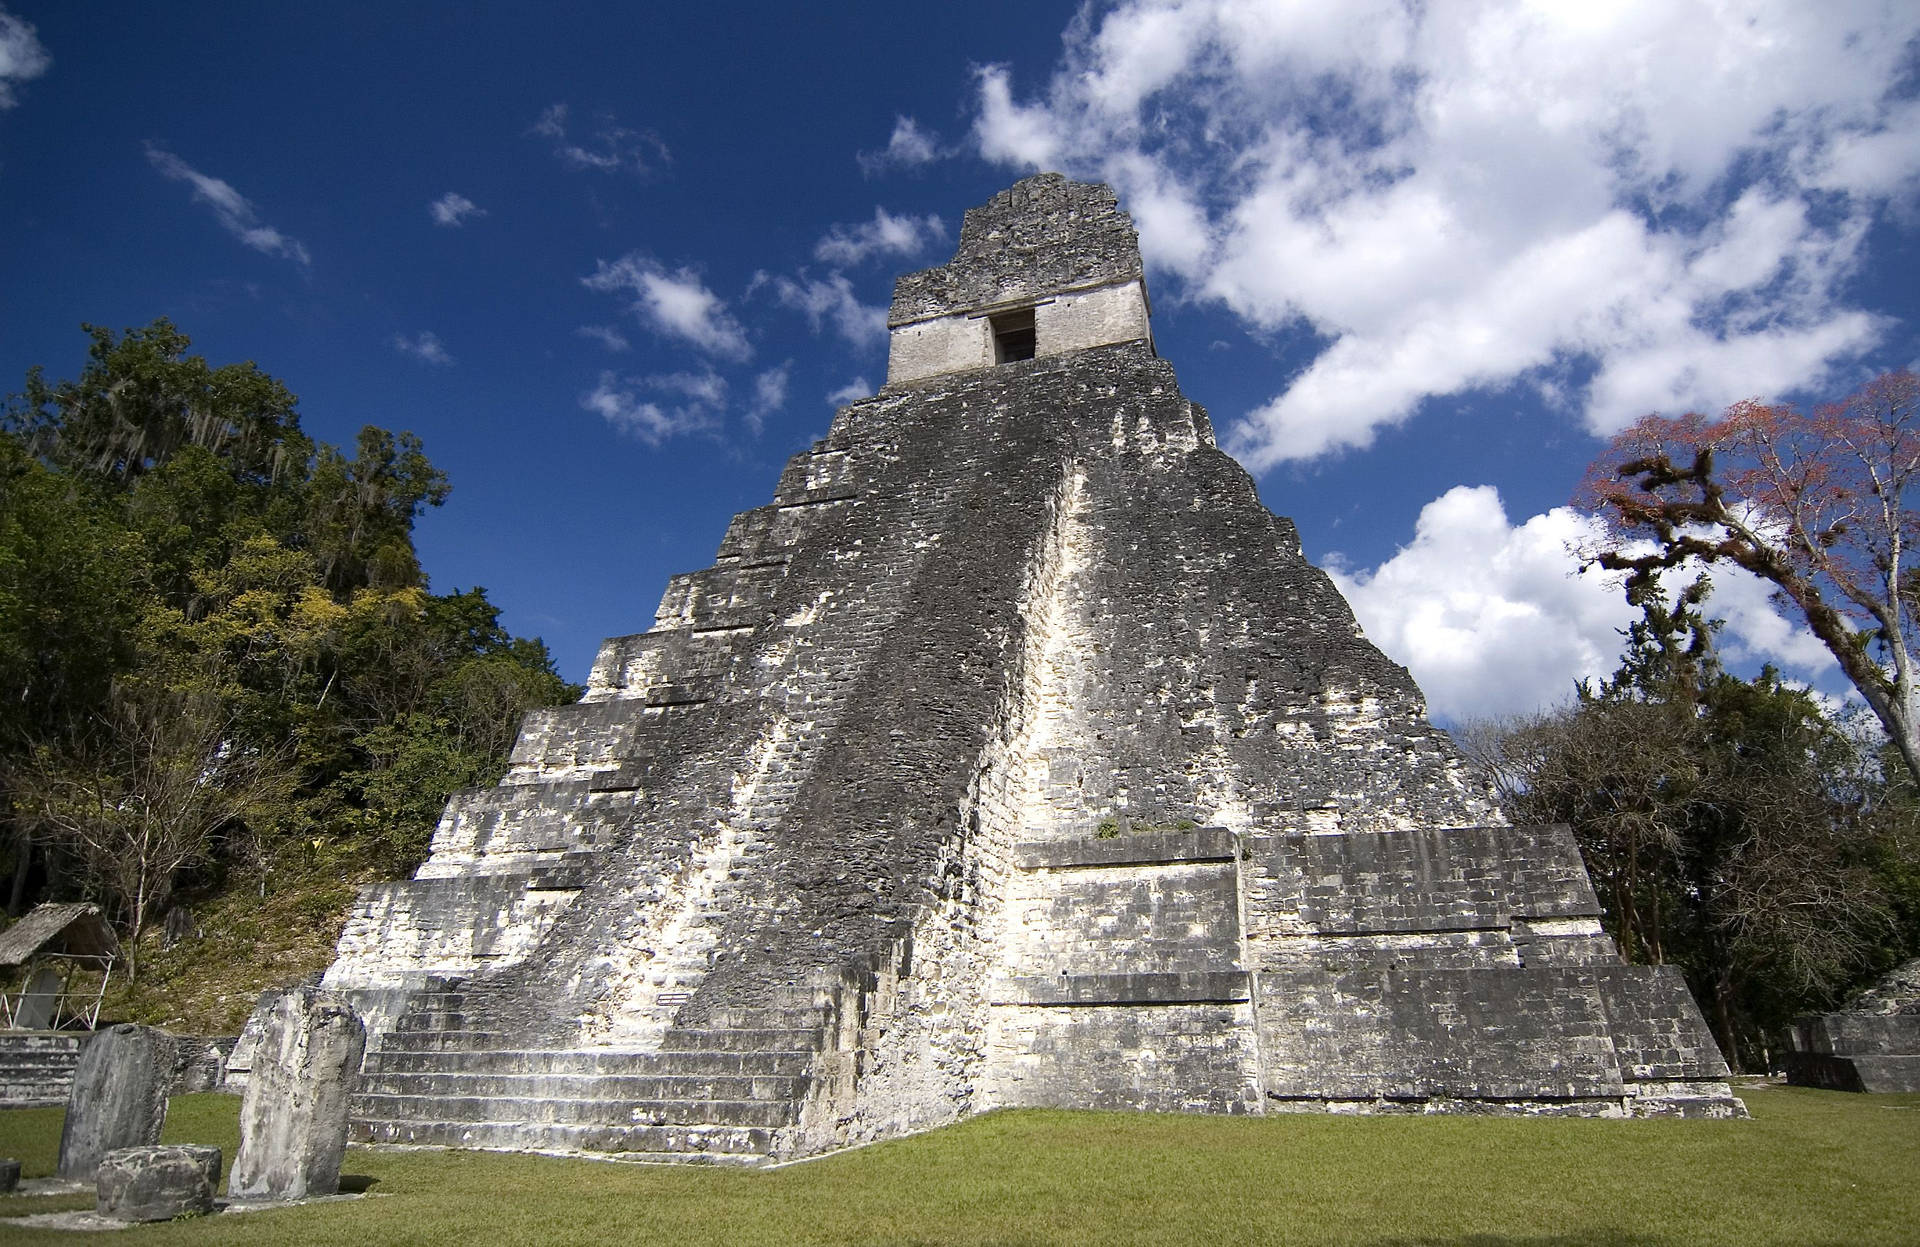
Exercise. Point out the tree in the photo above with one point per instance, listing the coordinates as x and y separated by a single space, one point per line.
1729 827
1822 506
219 655
145 794
141 399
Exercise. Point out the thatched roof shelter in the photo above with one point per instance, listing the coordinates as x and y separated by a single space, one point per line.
74 931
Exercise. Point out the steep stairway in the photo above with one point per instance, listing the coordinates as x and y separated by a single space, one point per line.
729 1092
36 1067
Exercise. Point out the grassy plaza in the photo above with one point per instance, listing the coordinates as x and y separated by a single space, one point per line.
1811 1167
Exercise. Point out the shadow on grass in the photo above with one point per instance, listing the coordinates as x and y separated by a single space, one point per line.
357 1183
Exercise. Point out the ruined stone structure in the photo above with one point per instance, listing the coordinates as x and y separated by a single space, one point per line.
1873 1044
1012 755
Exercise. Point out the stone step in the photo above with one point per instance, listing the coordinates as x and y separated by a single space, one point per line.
735 1144
742 1039
590 1086
54 1059
440 1041
590 1061
375 1106
811 1018
36 1067
419 1021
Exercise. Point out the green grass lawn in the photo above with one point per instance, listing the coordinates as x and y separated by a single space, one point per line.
1812 1167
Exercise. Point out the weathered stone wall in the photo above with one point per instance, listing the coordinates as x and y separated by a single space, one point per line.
1871 1045
1069 322
1038 239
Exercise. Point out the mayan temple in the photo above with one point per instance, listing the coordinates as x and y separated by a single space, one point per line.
1012 755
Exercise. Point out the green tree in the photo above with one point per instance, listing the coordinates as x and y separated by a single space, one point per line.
1824 506
1729 827
146 794
141 399
189 586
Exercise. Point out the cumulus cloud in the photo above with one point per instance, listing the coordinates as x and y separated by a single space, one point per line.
909 146
885 235
674 304
1668 197
605 335
22 56
831 303
1494 618
425 346
452 209
609 147
852 392
230 208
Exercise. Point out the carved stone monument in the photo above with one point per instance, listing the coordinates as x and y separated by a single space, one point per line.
1011 755
293 1116
119 1096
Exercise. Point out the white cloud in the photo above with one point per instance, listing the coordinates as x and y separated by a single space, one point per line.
611 148
885 235
1669 196
230 208
605 335
1495 618
909 146
852 392
615 401
656 407
425 346
674 304
769 395
453 209
1011 134
708 389
832 303
22 56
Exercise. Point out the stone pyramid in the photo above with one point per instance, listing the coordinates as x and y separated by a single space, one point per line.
1012 755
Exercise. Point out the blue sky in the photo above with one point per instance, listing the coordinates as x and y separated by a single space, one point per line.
612 263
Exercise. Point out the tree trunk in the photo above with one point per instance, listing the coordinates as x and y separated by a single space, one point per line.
1723 1018
22 863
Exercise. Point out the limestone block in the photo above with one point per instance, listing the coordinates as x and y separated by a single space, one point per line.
293 1119
240 1060
119 1096
157 1182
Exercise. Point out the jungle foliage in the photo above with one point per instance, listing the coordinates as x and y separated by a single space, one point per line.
1730 826
221 664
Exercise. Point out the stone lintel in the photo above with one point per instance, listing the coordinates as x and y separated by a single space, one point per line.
1194 987
1205 844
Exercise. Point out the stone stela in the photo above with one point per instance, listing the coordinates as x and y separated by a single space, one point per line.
1011 755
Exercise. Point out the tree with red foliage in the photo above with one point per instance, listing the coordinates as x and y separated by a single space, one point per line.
1824 506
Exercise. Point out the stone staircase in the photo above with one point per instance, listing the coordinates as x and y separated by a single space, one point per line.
730 1092
36 1067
